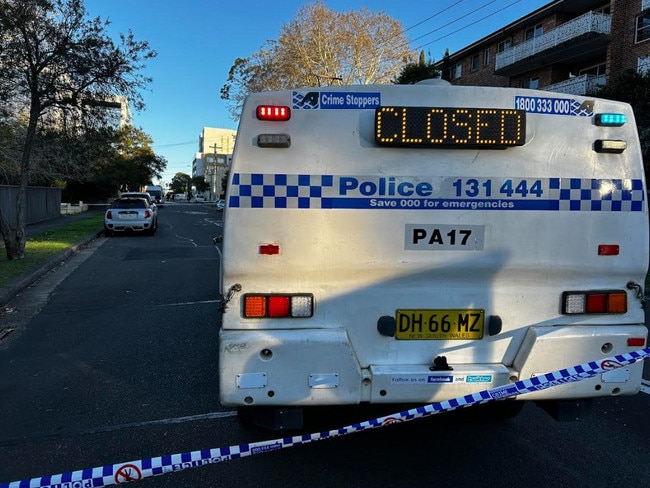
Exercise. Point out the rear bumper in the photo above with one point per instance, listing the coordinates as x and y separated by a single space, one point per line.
319 367
139 226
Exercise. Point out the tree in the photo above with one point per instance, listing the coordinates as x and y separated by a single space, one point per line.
200 184
634 88
414 72
125 162
321 47
180 182
58 71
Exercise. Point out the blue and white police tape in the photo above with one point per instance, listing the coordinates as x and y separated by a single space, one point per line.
135 470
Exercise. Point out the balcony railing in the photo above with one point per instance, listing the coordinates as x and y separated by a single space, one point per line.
589 22
580 85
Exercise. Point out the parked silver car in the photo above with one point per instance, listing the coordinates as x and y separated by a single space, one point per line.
130 214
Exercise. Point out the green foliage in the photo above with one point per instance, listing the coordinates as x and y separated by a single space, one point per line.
180 182
59 71
200 184
414 72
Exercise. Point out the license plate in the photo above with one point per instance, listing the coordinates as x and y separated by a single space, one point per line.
439 324
128 216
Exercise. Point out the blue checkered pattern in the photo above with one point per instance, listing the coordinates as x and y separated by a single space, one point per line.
110 475
585 194
278 190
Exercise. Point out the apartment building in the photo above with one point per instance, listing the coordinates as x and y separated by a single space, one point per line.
213 157
567 46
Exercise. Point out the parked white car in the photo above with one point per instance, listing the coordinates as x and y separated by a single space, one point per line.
130 214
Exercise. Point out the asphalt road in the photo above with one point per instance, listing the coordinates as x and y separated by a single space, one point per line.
113 358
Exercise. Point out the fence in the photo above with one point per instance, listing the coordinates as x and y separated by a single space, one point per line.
41 203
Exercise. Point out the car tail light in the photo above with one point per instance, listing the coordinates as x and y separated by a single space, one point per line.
278 305
273 113
109 214
594 302
147 214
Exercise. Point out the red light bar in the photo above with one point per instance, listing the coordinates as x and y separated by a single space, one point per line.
273 113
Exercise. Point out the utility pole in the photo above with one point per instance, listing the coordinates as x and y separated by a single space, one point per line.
214 174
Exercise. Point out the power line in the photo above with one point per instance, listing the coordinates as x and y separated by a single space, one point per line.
434 15
469 25
174 144
454 21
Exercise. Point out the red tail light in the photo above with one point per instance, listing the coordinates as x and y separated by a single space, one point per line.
594 302
296 305
147 214
109 214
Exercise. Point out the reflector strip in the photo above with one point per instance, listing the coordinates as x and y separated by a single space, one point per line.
269 249
608 250
636 342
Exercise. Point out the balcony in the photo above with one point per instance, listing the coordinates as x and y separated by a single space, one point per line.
580 85
588 33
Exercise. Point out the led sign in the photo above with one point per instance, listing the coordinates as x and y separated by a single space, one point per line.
451 127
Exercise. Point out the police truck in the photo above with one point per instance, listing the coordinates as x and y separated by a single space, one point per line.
409 244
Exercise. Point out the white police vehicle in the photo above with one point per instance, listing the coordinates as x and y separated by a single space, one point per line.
415 243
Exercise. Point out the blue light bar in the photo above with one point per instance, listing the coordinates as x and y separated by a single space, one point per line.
610 120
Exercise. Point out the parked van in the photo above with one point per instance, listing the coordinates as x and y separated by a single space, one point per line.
156 192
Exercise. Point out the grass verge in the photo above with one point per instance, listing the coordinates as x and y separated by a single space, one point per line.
39 248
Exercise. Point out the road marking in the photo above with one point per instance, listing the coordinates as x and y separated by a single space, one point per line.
113 428
175 420
182 304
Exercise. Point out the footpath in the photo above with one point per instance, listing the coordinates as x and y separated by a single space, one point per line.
14 287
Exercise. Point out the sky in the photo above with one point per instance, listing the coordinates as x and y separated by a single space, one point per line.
197 42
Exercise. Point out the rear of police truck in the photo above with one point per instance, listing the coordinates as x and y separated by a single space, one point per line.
415 243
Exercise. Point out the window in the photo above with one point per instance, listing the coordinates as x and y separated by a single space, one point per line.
532 83
643 27
645 4
503 45
456 71
486 57
476 62
533 32
643 65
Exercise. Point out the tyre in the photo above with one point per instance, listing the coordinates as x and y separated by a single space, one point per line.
108 232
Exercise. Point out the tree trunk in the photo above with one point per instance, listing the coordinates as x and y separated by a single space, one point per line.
16 238
8 236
